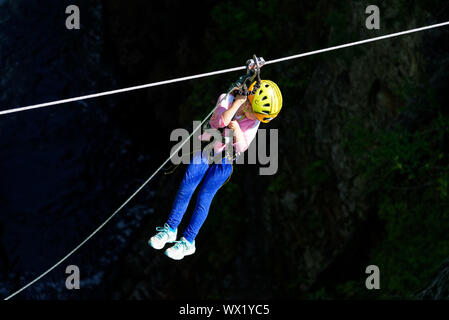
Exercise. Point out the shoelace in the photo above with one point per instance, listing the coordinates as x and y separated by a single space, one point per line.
163 231
181 243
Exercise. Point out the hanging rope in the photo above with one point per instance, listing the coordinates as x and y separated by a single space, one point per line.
204 120
116 211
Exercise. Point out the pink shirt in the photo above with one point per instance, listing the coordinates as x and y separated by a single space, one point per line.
248 126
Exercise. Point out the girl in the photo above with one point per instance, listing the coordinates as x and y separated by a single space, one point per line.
241 114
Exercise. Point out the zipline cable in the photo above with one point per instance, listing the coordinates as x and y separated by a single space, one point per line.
107 93
351 44
208 74
202 122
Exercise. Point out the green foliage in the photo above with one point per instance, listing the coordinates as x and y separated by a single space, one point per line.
415 242
315 173
319 294
407 174
278 183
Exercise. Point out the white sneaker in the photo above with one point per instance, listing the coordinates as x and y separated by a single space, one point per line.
160 239
181 249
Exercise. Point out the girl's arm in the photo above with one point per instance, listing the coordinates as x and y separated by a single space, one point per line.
242 139
229 114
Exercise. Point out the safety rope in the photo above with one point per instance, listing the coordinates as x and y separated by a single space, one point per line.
9 111
116 211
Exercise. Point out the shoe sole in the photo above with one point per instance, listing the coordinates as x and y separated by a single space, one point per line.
159 248
154 246
180 258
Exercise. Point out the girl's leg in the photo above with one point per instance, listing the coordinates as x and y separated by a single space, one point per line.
194 173
215 177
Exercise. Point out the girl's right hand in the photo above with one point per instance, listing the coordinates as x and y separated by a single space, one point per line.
240 99
234 125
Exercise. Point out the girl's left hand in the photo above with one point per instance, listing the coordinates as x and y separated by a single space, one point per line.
238 133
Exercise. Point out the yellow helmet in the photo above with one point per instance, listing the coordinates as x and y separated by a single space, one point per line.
266 101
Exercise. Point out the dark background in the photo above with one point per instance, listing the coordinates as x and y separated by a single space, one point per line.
363 138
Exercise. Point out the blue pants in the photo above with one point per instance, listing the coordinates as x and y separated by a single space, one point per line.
215 176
